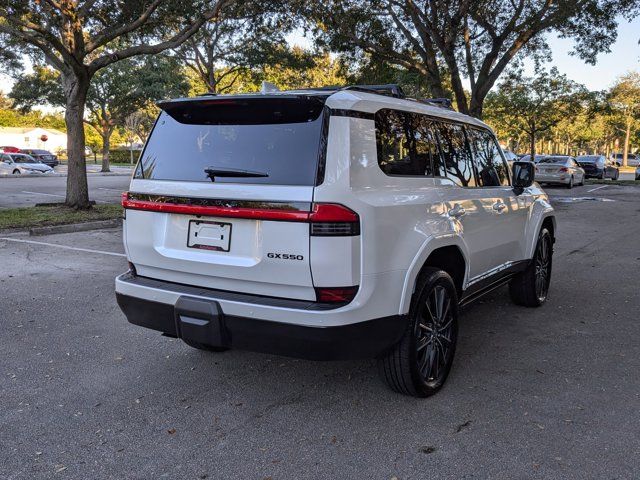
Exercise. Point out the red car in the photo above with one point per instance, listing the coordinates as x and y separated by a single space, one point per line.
8 149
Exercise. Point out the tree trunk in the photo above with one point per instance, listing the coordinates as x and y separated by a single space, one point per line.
106 146
627 137
76 86
532 143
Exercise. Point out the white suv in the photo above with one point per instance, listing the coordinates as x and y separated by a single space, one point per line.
328 224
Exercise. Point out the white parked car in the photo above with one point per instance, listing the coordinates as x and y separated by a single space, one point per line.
21 163
633 160
328 225
559 169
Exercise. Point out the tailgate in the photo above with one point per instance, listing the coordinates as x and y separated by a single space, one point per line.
223 191
189 243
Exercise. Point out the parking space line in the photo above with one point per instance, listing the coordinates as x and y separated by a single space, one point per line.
111 189
597 188
40 193
88 250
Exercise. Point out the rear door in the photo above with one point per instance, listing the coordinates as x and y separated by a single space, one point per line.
466 203
222 194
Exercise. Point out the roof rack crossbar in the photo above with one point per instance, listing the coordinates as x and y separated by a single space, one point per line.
390 89
440 102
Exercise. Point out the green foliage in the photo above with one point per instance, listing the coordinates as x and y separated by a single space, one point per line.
461 39
14 118
121 155
534 104
305 71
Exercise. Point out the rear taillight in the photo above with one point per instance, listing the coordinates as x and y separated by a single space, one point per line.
325 219
564 169
335 294
333 220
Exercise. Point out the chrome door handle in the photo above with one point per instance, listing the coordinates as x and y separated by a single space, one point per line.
499 206
457 211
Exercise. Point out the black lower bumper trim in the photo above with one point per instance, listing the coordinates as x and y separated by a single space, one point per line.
367 339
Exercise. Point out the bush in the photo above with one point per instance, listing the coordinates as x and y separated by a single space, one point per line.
123 156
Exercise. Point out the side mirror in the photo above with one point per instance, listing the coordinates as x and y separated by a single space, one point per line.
523 176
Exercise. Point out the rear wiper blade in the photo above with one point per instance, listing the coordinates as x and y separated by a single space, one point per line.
212 173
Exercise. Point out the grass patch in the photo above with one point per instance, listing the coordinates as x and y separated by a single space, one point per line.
55 215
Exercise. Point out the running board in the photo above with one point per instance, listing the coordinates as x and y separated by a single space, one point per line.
489 287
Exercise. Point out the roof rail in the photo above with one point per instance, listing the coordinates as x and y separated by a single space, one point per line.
207 94
439 102
390 89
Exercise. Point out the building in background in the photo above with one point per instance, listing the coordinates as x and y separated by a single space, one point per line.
33 137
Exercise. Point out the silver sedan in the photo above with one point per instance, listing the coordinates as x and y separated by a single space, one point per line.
559 169
20 163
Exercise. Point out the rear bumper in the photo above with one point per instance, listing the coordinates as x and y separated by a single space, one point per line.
552 178
205 321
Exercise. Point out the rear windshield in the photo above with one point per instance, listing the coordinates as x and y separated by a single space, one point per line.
277 137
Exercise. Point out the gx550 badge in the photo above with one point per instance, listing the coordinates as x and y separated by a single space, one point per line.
285 256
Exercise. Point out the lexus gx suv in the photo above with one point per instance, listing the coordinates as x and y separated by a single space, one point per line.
328 224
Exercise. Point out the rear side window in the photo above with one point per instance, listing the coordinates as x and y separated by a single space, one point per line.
405 143
455 158
278 137
491 168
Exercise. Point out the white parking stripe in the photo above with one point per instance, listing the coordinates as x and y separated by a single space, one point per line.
597 188
112 189
88 250
40 193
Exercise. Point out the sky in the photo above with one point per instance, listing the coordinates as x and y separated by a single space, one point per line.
624 57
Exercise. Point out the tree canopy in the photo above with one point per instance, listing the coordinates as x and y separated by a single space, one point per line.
535 104
463 39
80 37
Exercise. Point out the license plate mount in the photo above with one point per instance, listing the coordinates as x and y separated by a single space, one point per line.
205 235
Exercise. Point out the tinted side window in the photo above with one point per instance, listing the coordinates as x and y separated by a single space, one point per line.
455 157
405 143
492 170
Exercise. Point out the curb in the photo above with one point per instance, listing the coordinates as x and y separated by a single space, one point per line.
75 227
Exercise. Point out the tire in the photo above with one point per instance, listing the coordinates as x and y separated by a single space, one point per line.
570 184
418 365
202 346
531 287
617 175
16 172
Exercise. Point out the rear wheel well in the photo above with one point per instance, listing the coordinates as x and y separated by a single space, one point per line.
451 260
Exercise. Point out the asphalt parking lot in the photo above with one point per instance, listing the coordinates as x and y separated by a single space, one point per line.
534 393
27 191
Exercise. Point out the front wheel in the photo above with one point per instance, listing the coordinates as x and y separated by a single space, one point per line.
16 172
530 288
419 364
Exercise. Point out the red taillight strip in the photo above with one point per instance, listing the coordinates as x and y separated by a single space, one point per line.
321 212
215 211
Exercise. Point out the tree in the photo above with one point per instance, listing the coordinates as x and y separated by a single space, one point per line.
78 38
304 70
535 104
461 39
245 36
624 100
115 92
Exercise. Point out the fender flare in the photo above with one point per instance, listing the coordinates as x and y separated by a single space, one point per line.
540 212
430 244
